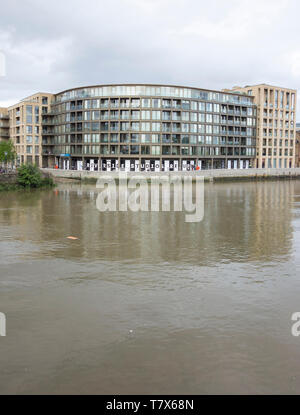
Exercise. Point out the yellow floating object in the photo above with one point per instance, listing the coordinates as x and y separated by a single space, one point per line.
71 237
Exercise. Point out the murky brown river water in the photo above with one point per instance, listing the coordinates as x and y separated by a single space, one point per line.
146 303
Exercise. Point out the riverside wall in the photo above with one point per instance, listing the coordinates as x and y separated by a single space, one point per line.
8 178
212 175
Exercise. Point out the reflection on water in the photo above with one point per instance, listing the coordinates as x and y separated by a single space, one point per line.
208 303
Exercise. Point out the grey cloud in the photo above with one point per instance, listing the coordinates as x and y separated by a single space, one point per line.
51 46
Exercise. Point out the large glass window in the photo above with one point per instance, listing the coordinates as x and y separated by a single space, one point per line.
155 126
209 107
155 150
155 115
146 103
135 126
145 138
135 115
145 126
146 115
155 103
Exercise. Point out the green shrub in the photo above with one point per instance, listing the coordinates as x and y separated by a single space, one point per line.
29 176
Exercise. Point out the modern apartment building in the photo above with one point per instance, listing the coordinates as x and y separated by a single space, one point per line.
276 124
25 122
4 124
155 127
297 149
149 127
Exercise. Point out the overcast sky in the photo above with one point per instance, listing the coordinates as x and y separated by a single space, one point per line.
54 45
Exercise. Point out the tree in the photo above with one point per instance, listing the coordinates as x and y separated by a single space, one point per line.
7 152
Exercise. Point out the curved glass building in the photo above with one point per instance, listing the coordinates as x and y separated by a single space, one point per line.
149 128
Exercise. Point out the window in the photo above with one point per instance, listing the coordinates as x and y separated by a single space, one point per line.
155 126
29 114
145 103
193 128
135 126
134 149
155 138
185 105
209 107
216 118
193 106
145 138
208 117
145 126
155 150
185 116
135 114
201 117
135 102
146 115
145 149
155 115
185 139
155 103
201 106
185 128
96 115
194 117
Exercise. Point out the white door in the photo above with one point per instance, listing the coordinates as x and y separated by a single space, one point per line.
200 164
167 165
127 165
183 165
229 164
108 165
175 165
235 164
147 165
241 164
79 165
137 165
117 165
92 165
157 165
247 164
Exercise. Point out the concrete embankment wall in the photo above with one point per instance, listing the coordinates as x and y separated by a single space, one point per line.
9 178
213 175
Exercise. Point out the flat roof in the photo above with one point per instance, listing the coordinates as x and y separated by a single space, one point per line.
151 85
270 86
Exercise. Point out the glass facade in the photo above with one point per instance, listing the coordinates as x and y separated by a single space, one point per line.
147 127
